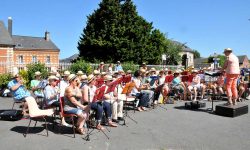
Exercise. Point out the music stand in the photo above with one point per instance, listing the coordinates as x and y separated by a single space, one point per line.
127 90
99 93
212 75
99 82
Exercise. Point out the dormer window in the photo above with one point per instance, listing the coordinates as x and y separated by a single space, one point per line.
19 45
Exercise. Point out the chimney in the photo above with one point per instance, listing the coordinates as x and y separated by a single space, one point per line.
47 38
10 25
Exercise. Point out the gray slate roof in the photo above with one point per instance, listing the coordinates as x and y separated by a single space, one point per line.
5 38
241 58
28 42
184 47
70 59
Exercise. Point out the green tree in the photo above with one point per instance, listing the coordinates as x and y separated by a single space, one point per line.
221 62
197 54
115 31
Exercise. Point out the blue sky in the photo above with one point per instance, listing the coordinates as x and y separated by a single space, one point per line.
208 26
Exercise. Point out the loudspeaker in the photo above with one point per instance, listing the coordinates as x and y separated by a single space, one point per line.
195 105
231 110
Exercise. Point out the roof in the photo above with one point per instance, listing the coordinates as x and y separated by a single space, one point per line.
241 58
70 59
28 42
5 38
200 60
184 47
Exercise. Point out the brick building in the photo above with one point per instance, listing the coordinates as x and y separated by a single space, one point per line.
17 51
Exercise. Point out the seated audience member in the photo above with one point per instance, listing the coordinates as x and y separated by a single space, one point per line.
34 83
20 93
241 87
196 85
217 87
72 104
115 102
88 93
178 86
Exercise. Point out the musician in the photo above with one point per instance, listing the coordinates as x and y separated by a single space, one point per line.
138 90
88 92
73 105
144 66
64 82
115 102
232 73
101 67
20 93
34 83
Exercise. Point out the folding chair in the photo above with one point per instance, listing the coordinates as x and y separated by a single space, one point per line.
62 114
35 113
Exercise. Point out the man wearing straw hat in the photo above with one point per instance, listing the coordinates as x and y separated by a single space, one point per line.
20 93
34 83
232 73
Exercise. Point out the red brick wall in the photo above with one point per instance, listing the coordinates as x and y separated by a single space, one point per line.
40 54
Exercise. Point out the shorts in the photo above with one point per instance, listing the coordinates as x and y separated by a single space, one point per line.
76 111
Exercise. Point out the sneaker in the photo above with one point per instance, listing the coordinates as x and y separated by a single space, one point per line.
248 97
120 118
65 124
115 120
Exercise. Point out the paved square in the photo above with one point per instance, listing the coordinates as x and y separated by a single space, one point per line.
167 127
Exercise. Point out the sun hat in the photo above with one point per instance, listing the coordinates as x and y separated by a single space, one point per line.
96 72
71 77
195 71
90 78
37 73
66 73
52 77
84 77
227 50
108 78
152 70
79 73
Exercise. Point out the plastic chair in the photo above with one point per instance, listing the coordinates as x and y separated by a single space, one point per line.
62 114
18 102
35 113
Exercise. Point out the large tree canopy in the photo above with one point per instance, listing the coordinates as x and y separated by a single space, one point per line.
115 31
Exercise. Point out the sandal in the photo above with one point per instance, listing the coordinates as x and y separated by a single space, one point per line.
112 124
139 109
80 131
100 127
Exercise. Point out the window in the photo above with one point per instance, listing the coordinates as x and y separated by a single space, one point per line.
34 59
20 59
47 60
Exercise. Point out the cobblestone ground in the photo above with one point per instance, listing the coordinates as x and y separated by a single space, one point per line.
169 127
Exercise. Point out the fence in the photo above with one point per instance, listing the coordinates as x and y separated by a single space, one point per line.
9 67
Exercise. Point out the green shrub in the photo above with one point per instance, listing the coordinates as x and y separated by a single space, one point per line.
129 66
4 80
81 65
31 69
